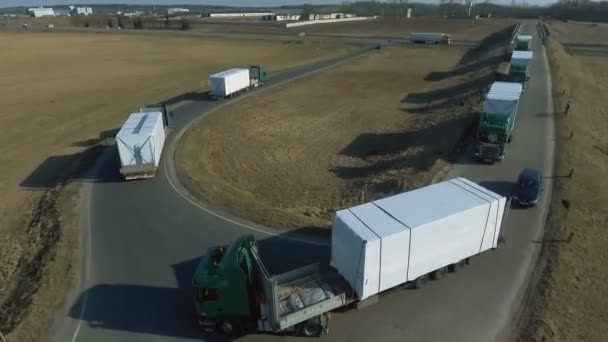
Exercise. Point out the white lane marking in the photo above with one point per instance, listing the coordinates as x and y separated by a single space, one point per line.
87 264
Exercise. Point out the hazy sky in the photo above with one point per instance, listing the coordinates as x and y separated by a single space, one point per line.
11 3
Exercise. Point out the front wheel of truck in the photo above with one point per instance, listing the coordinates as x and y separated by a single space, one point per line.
312 327
230 328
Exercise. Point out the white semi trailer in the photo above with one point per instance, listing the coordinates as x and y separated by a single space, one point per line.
398 241
415 235
232 82
140 143
523 43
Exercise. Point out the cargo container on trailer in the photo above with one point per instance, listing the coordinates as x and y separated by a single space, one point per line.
398 241
521 65
523 42
232 82
228 82
140 143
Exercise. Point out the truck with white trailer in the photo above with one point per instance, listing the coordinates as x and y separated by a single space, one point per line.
497 121
140 143
430 38
232 82
399 241
523 43
520 67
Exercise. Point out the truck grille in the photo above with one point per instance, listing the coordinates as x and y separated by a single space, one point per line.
491 152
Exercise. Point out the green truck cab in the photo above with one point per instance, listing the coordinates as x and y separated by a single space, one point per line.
257 75
234 293
497 121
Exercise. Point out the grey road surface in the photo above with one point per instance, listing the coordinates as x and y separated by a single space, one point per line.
144 239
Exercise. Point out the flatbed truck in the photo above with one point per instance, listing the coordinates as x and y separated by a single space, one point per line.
234 292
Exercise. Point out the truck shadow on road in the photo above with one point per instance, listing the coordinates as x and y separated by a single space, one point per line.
203 96
503 188
168 311
162 311
60 169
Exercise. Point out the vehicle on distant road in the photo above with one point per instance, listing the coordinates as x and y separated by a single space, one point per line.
528 188
430 38
235 81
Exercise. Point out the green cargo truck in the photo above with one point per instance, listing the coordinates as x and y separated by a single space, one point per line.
497 121
376 247
520 67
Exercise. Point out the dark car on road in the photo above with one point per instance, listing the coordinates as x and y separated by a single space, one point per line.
528 188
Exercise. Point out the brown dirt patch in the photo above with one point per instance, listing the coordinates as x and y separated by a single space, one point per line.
571 300
292 156
64 93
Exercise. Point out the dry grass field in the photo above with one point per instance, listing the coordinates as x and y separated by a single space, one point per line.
579 33
571 303
64 92
290 157
465 29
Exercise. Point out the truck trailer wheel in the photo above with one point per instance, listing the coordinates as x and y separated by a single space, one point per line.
311 328
420 281
439 273
455 267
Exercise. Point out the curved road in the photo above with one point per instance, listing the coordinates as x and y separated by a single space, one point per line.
143 240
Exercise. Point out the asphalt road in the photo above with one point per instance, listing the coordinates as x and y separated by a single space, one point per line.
143 240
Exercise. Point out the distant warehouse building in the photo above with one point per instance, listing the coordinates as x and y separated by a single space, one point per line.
84 10
40 12
236 14
171 11
281 17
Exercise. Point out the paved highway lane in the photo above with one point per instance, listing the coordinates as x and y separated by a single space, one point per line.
146 238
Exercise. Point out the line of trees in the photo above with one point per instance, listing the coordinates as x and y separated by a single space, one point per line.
124 22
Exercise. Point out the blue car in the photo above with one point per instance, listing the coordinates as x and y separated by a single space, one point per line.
528 188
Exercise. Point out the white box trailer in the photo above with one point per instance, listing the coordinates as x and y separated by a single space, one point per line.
229 82
388 242
140 143
523 42
429 38
521 62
